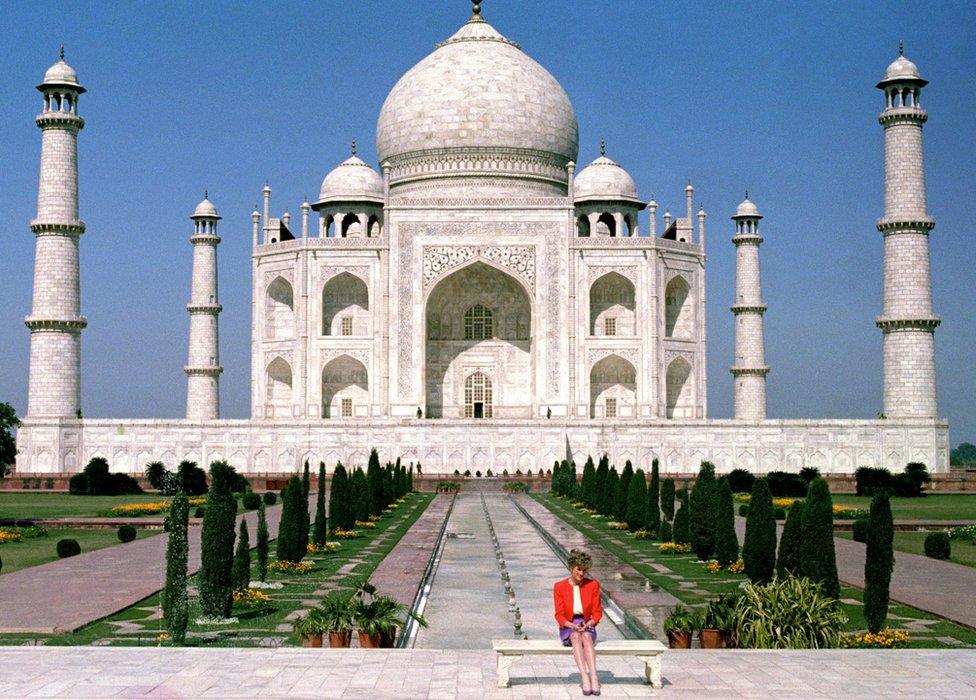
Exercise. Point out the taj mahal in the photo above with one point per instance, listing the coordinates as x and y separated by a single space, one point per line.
479 300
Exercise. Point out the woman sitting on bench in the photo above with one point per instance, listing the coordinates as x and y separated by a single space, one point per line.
578 611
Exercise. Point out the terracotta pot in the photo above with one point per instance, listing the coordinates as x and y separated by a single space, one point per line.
711 638
369 641
312 641
730 642
679 640
339 639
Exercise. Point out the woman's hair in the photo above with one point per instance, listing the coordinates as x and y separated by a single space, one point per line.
577 557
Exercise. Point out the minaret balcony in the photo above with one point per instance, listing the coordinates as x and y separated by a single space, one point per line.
749 371
918 224
75 226
923 323
196 371
67 120
748 308
42 323
204 308
903 115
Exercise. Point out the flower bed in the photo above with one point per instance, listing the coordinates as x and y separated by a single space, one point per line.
674 547
281 566
966 532
617 526
326 548
365 523
885 639
10 536
135 510
345 534
642 535
250 598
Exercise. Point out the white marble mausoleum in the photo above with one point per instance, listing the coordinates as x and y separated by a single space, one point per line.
481 301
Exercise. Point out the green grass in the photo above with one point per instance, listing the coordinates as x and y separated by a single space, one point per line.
641 554
963 551
27 505
936 506
139 625
40 550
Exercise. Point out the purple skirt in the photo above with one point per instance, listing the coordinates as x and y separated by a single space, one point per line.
564 632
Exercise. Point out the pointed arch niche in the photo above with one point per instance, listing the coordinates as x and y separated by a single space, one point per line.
345 306
680 394
678 322
613 388
345 388
278 389
280 309
612 306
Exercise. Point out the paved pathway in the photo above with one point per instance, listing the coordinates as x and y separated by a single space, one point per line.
939 587
468 604
66 594
416 673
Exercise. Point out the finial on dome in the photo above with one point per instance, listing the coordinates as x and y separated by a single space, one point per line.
603 147
205 194
354 146
476 7
747 194
62 52
901 47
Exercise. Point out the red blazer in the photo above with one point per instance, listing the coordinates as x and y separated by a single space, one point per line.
562 600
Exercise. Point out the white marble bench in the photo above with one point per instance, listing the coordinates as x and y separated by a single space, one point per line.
511 650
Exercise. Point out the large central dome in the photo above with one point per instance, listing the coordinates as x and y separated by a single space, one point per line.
478 106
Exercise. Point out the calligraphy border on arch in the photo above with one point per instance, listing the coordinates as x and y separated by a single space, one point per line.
438 261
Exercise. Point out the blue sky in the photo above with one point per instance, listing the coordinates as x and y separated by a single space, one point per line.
775 97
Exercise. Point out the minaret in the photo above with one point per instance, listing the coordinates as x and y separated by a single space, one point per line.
907 322
55 323
749 369
203 359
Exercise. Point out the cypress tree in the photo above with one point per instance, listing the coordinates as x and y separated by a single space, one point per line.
321 531
388 488
397 480
217 544
306 479
726 541
879 562
654 499
788 559
574 488
703 512
623 491
374 475
613 481
817 558
759 548
588 483
600 485
637 502
667 498
292 535
340 500
262 544
359 501
176 607
682 520
240 573
410 480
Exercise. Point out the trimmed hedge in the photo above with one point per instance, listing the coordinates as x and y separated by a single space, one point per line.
68 548
726 541
759 548
937 545
126 533
879 561
859 529
788 558
637 502
703 512
251 501
269 498
817 556
740 480
217 543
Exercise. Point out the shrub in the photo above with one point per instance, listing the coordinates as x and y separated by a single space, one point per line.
240 573
217 544
937 545
703 515
588 484
609 500
667 498
292 536
176 608
199 512
320 533
269 498
654 499
637 502
306 480
161 479
359 488
78 485
126 533
871 480
682 521
666 534
808 474
784 484
68 548
192 479
759 547
911 482
374 477
779 513
789 613
448 487
818 561
743 510
251 500
262 544
740 480
96 480
622 493
788 558
340 499
859 530
879 561
726 541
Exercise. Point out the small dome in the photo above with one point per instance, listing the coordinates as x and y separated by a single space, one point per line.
747 209
901 70
61 74
352 180
603 179
205 210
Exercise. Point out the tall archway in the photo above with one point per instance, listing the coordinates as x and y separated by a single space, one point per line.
352 227
477 396
613 388
612 306
345 306
677 309
606 225
280 309
278 389
479 318
583 226
680 394
345 388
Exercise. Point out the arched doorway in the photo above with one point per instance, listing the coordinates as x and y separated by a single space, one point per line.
479 320
345 306
278 389
613 388
680 399
477 396
345 388
612 306
677 309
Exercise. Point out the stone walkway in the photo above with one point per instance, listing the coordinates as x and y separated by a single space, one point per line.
66 594
415 673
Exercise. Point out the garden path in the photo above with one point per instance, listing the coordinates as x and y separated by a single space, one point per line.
939 587
415 673
66 594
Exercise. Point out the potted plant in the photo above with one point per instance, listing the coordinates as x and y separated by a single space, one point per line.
717 622
378 617
337 616
309 627
680 625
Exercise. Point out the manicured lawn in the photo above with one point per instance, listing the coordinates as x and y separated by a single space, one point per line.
937 506
257 626
643 554
40 550
27 505
963 551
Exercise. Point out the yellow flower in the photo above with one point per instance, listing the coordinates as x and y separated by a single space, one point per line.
328 547
617 526
250 598
674 547
783 502
365 523
10 536
345 534
290 567
737 567
713 566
